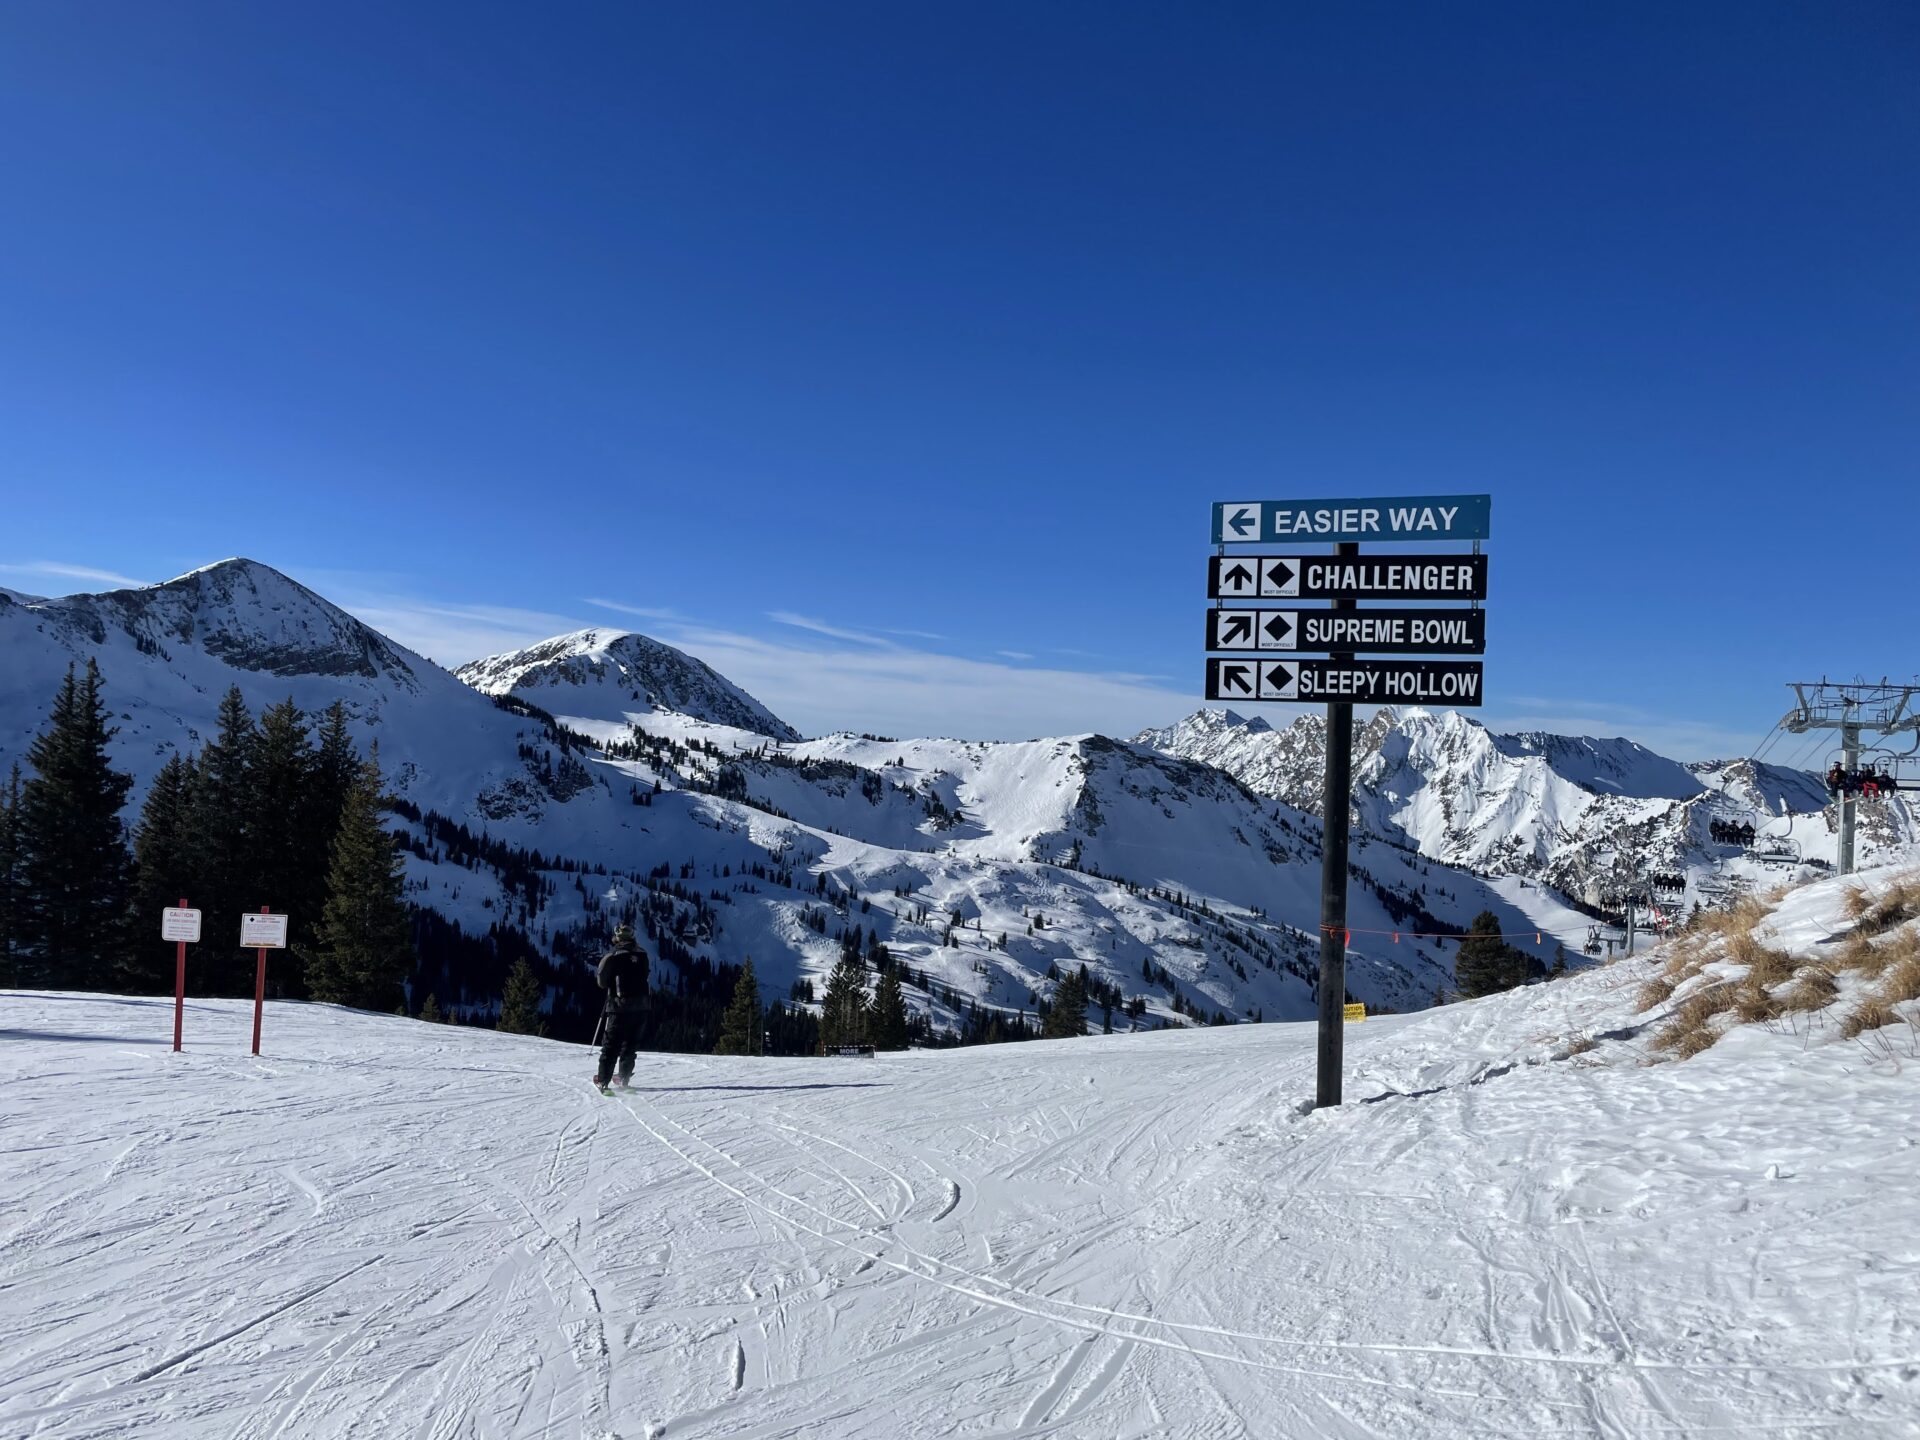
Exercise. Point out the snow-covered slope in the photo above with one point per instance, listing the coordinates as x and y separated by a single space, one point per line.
619 677
1188 894
1581 814
169 652
1762 788
1516 1227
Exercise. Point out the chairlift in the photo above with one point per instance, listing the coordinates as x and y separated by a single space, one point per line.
1736 833
1776 851
1667 888
1875 778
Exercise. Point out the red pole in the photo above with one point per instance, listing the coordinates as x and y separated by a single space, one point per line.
179 983
259 990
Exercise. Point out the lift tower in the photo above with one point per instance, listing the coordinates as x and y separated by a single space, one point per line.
1885 709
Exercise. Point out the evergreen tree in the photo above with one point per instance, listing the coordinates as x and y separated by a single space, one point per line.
12 881
288 869
1486 964
889 1012
364 949
162 872
1068 1016
335 764
520 1006
741 1027
843 1013
75 866
330 776
220 857
1559 961
430 1012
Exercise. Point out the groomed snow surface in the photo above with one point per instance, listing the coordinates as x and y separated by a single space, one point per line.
387 1228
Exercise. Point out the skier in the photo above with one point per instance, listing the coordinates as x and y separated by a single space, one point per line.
623 975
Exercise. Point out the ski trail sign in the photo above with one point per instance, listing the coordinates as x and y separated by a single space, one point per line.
1394 632
1331 577
1263 664
1347 682
1400 518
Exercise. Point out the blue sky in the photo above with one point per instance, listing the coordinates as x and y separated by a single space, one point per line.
890 356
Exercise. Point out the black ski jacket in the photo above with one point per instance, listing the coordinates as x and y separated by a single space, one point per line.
623 975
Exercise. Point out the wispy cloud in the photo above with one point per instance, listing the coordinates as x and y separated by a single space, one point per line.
1672 736
643 612
1014 654
898 690
448 632
821 627
72 572
826 677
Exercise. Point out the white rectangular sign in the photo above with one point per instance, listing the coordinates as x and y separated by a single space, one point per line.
263 932
177 924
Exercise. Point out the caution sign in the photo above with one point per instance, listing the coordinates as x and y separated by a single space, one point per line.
1354 1012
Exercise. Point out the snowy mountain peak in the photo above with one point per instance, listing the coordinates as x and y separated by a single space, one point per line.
1573 810
248 615
1200 729
1772 789
614 675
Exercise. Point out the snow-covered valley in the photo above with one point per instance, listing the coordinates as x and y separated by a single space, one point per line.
1517 1226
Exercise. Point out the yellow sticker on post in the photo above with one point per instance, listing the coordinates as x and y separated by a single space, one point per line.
1355 1012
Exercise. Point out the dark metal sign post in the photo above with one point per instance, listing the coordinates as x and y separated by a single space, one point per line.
1336 803
1264 642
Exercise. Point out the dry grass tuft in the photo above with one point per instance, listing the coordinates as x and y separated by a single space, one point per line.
1872 960
1765 965
1776 984
1738 918
1686 955
1582 1046
1870 1014
1690 1043
1691 1029
1656 991
1813 990
1901 982
1756 1004
1899 904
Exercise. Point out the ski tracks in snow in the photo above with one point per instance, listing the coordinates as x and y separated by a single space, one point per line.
1140 1238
